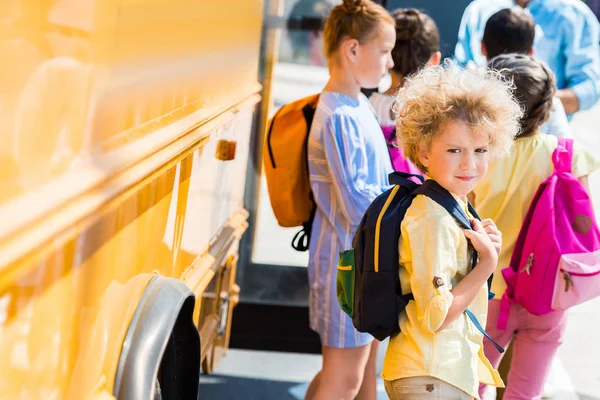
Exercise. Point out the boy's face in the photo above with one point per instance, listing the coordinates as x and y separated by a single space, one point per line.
457 158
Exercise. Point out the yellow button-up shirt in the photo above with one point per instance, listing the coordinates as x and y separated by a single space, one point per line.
432 245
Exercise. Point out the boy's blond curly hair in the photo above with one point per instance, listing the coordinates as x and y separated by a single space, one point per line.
437 94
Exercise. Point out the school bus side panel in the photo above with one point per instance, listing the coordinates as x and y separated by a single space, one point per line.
114 179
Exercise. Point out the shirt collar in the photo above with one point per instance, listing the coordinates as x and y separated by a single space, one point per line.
461 203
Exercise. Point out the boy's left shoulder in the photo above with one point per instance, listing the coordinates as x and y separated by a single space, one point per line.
426 210
426 215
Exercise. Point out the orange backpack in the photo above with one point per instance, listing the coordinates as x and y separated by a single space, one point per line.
286 167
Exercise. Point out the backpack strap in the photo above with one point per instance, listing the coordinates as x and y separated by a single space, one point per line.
301 240
402 179
480 329
268 140
437 193
562 158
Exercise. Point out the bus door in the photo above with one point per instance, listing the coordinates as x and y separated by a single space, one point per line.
273 309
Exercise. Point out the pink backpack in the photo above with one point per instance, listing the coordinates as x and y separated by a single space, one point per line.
399 163
556 261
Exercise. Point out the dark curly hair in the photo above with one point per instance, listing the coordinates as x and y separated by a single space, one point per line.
534 87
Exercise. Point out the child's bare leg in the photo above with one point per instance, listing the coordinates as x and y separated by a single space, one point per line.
342 374
368 389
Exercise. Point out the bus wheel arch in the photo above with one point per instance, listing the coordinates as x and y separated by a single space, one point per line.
161 349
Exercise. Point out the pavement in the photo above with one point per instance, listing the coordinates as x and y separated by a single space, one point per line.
243 374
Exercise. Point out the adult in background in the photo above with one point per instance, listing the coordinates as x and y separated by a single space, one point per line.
567 39
512 30
307 42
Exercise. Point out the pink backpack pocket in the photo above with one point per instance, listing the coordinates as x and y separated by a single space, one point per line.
399 163
577 280
556 261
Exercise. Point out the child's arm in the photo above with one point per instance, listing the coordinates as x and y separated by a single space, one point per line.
431 237
349 165
489 226
466 290
583 165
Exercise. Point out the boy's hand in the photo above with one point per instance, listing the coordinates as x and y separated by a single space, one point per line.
494 233
482 242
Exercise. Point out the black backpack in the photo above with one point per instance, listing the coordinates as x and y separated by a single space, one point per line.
368 286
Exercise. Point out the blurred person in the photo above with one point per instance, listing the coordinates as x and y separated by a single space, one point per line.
417 45
505 195
567 39
307 44
512 30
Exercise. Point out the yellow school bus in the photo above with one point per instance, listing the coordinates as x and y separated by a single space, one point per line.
124 139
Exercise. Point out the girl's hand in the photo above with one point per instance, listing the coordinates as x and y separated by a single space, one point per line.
494 233
482 243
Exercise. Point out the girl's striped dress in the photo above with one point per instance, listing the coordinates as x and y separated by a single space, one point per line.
348 162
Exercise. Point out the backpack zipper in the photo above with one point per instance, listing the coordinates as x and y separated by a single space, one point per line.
528 265
568 277
580 273
568 281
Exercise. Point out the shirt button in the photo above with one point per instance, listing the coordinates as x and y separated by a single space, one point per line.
438 282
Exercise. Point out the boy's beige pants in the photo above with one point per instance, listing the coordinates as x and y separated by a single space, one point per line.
423 388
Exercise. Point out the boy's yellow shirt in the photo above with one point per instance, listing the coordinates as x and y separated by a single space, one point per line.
434 250
505 193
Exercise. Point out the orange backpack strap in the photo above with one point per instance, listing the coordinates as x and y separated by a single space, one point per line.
286 167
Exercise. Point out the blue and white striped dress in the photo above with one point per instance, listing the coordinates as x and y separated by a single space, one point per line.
348 162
